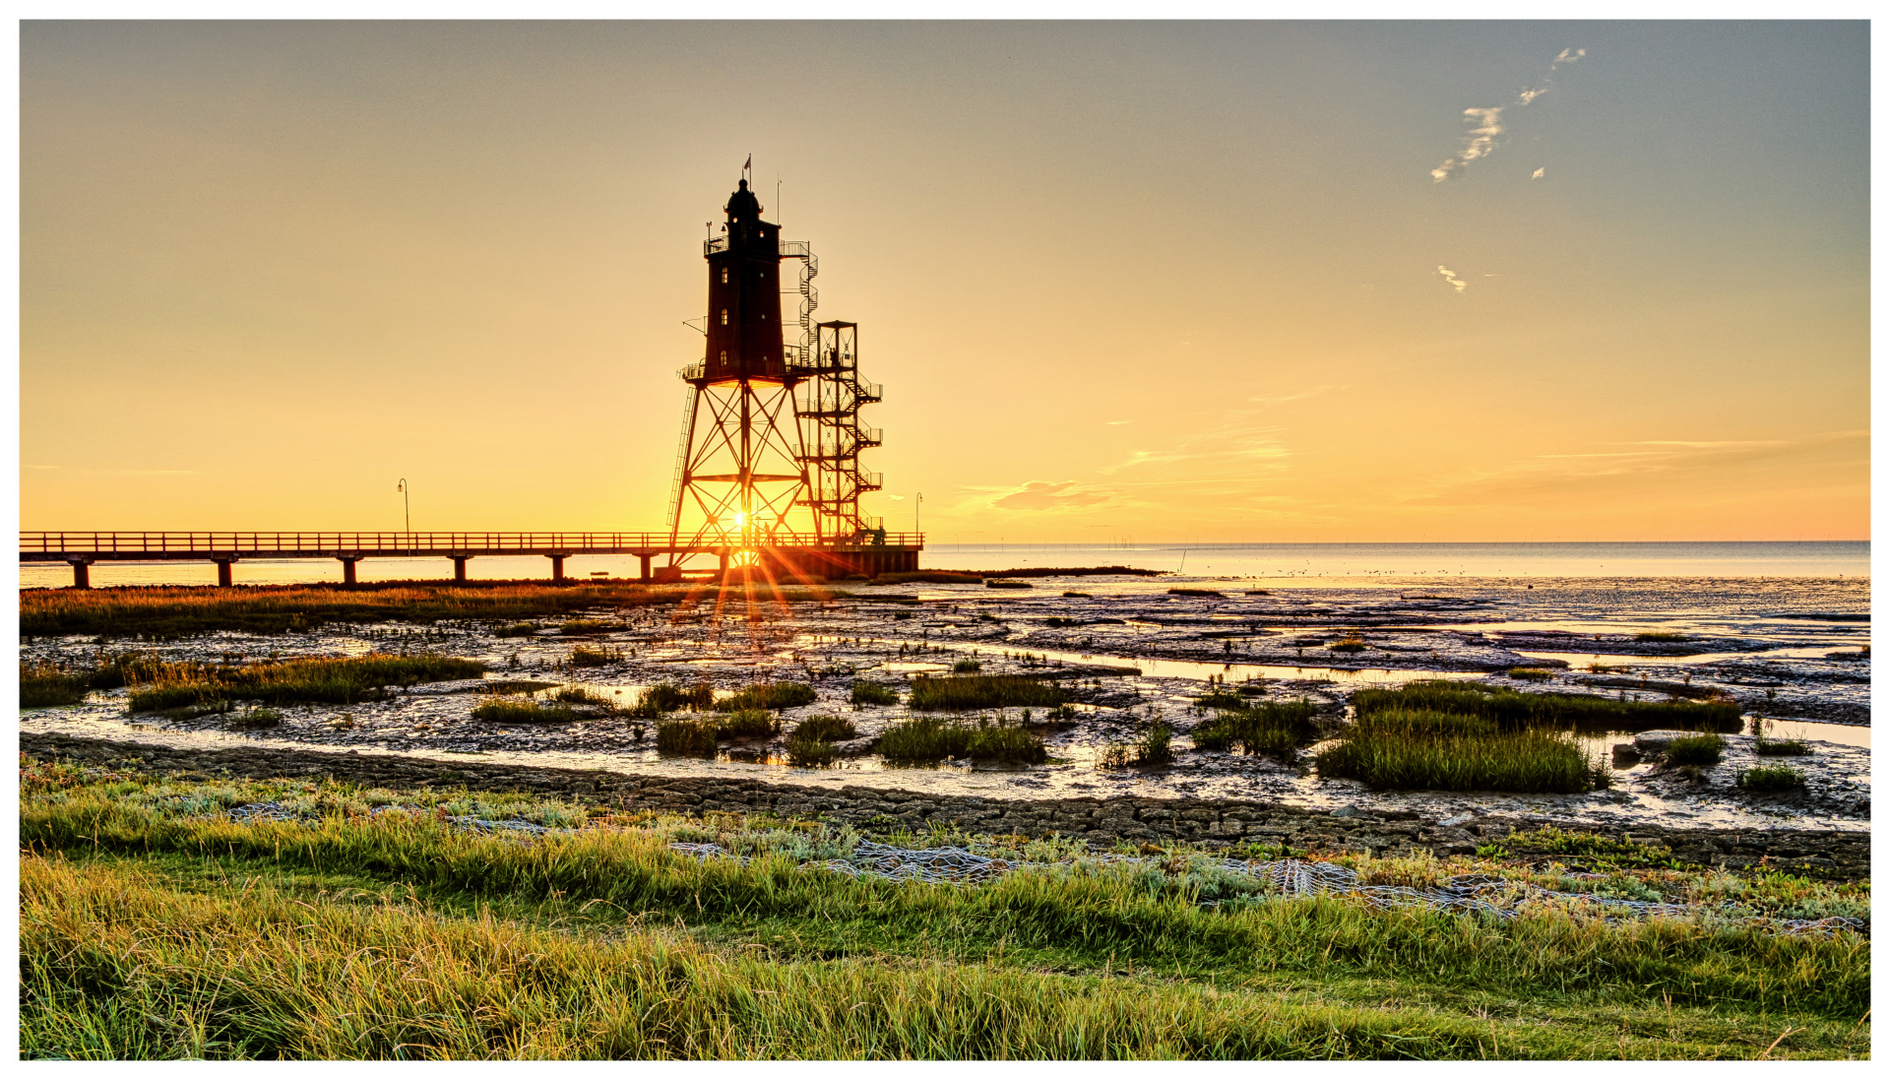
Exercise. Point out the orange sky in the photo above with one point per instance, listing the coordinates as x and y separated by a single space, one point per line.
1213 282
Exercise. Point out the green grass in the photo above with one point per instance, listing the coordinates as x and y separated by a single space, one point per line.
773 695
967 667
692 737
1695 750
1421 750
339 681
872 693
1780 748
930 739
149 931
1530 674
1515 709
966 693
1771 778
513 711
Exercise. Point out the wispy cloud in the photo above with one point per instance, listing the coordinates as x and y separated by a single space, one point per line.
1479 142
1455 282
1115 423
1487 124
1052 495
1537 175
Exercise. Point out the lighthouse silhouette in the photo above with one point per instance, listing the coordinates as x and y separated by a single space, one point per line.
767 473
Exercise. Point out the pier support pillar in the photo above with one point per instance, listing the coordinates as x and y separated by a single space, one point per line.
223 571
459 567
557 569
82 573
347 569
645 578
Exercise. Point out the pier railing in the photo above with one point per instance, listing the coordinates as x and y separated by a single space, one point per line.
161 544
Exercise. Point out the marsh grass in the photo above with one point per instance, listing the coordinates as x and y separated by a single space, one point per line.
585 656
168 612
254 720
1695 750
45 684
578 627
1780 747
516 630
578 695
1660 635
991 583
1771 779
967 667
1514 709
1423 750
1350 643
971 692
872 693
826 728
1151 749
692 737
1275 728
149 930
749 723
1530 674
771 695
515 711
666 697
930 739
340 681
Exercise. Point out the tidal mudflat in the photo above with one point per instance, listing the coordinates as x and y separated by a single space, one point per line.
1129 655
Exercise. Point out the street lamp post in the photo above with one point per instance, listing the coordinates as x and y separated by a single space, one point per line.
406 505
915 511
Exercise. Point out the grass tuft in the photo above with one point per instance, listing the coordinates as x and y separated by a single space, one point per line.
516 711
929 739
340 681
968 693
694 737
872 693
1421 750
774 695
1515 709
749 723
1275 728
1696 750
1771 778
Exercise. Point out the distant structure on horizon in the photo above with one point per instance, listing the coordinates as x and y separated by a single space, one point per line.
768 465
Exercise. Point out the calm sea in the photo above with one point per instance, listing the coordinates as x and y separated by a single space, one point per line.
1732 559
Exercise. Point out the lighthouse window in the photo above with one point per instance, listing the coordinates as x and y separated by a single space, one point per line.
725 275
725 356
724 316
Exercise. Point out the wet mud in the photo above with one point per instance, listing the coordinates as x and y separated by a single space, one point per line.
1132 654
